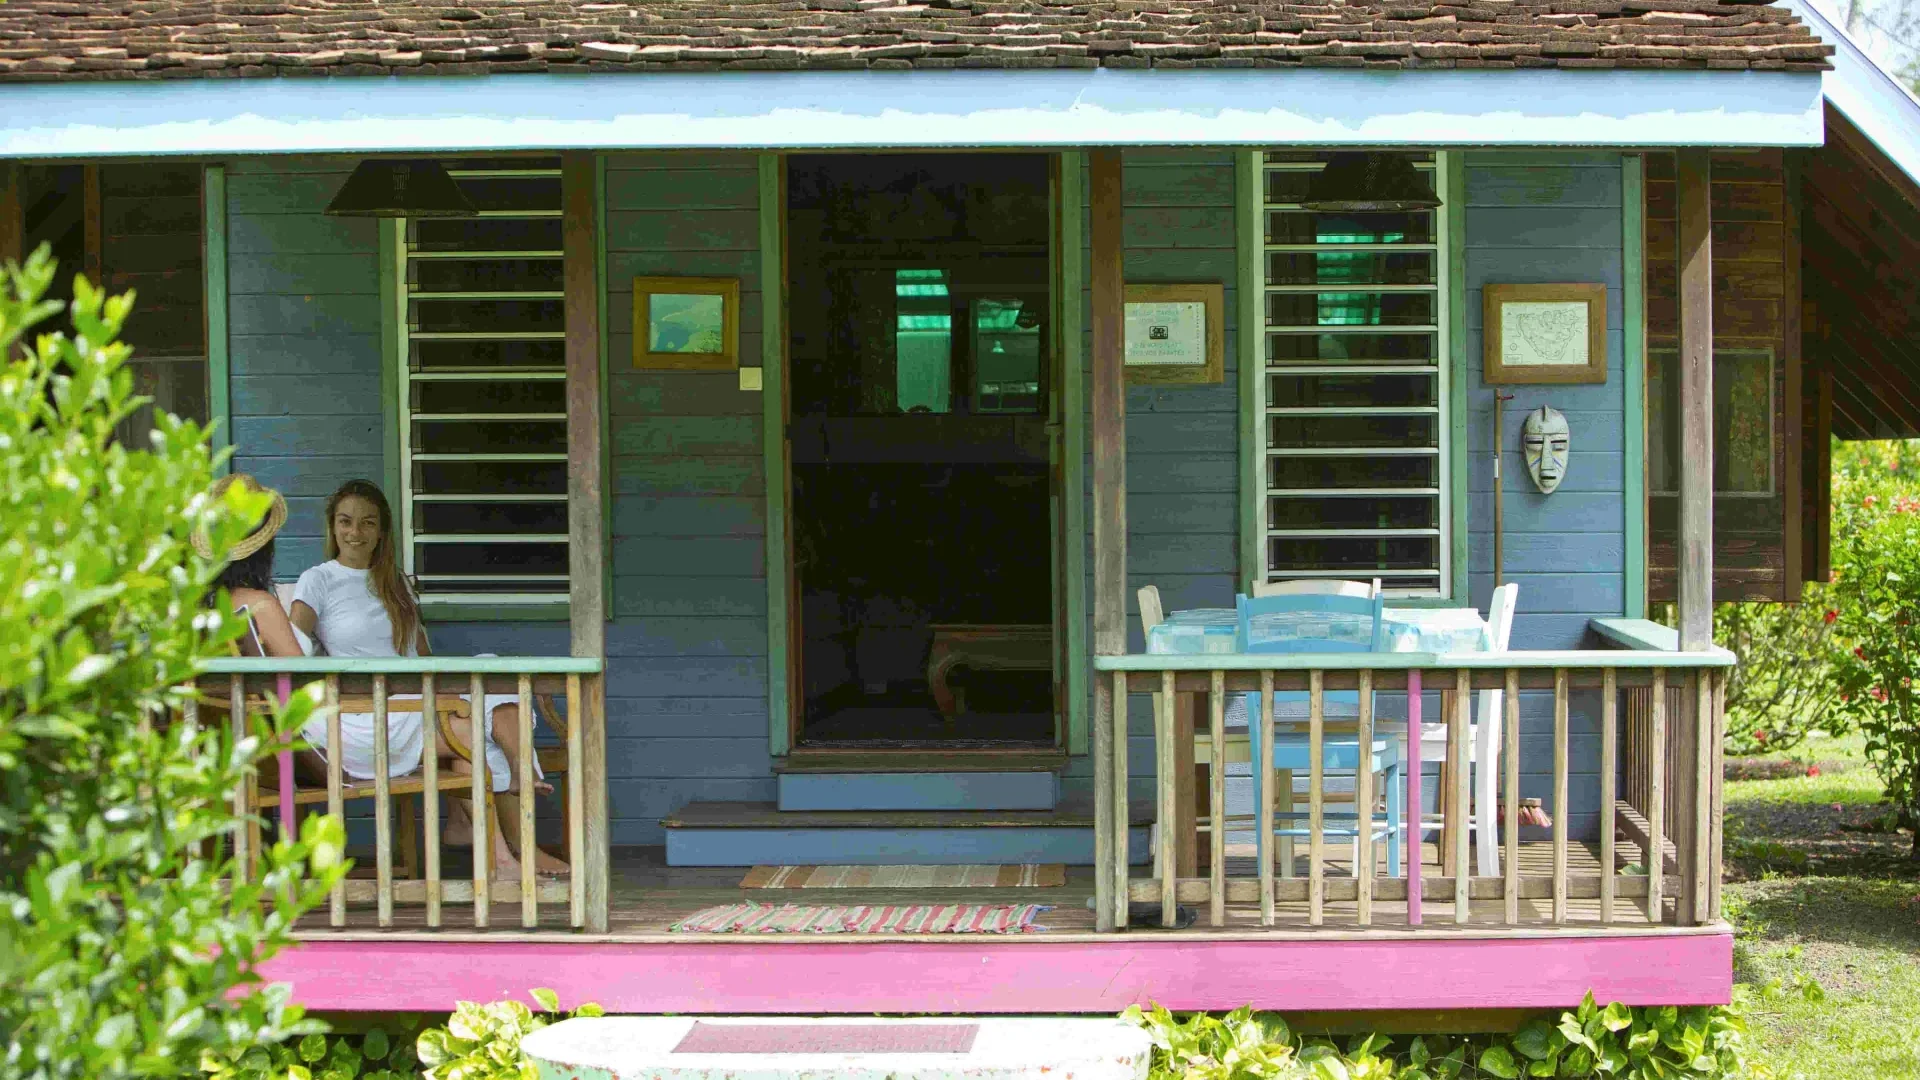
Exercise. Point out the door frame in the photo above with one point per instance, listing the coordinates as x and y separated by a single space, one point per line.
786 705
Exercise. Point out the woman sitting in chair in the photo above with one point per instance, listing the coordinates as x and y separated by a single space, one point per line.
357 603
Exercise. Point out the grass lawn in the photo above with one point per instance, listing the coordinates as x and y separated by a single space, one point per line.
1823 895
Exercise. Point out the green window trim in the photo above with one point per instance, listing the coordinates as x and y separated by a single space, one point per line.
1633 256
773 372
213 194
1070 214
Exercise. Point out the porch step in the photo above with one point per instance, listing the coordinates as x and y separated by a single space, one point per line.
1031 790
750 834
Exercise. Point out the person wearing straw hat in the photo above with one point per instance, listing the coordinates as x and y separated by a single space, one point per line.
248 577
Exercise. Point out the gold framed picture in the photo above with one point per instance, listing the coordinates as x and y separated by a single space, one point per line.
1545 334
1175 334
686 323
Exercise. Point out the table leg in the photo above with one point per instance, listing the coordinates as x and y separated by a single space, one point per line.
1186 824
1413 798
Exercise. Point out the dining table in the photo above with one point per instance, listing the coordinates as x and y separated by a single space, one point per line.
1215 632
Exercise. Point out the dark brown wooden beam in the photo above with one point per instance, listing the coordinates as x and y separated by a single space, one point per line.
1108 284
1694 177
12 225
1793 445
585 548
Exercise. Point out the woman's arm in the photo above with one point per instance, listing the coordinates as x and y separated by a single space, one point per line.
274 628
304 617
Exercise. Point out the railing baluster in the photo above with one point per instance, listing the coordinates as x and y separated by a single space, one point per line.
1363 796
1264 784
576 813
244 793
481 794
1510 735
1656 763
382 805
1703 726
1122 846
529 847
1168 810
430 794
1609 787
336 794
1217 800
1316 797
1416 881
1560 810
1461 759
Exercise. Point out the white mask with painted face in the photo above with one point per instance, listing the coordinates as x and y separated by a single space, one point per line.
1545 438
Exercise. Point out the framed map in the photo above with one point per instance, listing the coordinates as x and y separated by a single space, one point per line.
1175 333
1546 334
686 324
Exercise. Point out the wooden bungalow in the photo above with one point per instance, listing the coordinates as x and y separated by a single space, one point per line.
808 389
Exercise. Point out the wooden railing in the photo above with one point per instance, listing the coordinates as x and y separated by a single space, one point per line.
1682 785
574 701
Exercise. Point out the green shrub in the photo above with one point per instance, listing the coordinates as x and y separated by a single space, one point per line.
1615 1041
370 1055
1783 690
482 1042
123 953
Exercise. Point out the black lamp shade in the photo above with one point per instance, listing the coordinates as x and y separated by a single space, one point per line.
400 188
1356 182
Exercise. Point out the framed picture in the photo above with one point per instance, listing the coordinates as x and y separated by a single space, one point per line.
1175 333
686 323
1546 334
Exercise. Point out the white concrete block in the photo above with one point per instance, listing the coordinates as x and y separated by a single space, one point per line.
996 1048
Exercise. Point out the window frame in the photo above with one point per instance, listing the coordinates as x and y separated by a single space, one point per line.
1667 429
1257 473
400 448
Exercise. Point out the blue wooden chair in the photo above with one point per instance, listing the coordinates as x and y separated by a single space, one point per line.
1319 623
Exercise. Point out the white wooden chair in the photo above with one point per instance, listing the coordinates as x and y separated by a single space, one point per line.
1484 740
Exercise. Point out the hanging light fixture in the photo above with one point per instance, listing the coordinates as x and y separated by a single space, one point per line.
1362 182
400 187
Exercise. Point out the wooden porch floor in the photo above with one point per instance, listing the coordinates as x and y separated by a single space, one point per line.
649 897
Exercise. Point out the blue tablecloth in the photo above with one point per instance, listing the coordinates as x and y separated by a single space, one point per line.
1209 631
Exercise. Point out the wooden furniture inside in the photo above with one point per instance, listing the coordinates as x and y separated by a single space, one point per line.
1006 647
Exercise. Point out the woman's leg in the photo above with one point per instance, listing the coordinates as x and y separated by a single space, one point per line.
506 831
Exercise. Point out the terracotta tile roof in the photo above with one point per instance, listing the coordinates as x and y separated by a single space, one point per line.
67 40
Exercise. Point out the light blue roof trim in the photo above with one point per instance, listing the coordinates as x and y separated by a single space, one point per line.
912 109
1865 94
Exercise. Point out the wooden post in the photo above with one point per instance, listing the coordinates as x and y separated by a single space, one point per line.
1695 172
13 225
1702 867
1217 802
1655 763
1609 787
1117 876
1108 286
585 527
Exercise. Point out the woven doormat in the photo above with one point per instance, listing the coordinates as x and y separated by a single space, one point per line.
748 917
1022 876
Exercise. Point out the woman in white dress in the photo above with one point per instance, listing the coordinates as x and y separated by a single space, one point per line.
357 603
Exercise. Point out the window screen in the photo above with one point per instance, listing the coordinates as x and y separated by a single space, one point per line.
1355 388
483 391
1742 422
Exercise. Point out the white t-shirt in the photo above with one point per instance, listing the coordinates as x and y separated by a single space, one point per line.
351 620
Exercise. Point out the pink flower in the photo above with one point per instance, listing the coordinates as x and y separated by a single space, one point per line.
1813 770
1859 652
1830 616
1760 736
1870 501
1878 694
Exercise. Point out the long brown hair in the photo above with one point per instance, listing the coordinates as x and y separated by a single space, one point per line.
384 575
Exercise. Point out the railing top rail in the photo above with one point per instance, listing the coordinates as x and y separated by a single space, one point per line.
1408 661
1641 634
402 665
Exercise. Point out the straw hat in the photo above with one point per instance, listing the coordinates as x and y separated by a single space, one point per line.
259 538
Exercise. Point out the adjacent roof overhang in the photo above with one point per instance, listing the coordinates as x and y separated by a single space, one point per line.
931 109
1885 113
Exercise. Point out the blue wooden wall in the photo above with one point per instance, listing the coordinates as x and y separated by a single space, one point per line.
1550 217
687 651
687 648
304 341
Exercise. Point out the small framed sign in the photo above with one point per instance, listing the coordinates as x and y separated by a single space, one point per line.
1175 333
1545 334
686 323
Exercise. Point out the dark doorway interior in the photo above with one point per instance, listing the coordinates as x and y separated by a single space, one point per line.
920 376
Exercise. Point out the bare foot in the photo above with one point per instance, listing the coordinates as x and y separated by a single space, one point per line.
507 868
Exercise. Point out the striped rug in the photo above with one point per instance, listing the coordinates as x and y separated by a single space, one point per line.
1022 876
748 917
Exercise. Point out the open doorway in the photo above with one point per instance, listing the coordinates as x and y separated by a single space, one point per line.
921 366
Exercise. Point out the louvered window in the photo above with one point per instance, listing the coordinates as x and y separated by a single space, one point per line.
1356 388
483 392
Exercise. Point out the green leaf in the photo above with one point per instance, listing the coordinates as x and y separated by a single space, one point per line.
313 1048
1617 1017
548 1000
375 1045
1534 1040
1497 1061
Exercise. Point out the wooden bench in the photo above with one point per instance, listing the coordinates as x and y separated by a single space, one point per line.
1003 647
